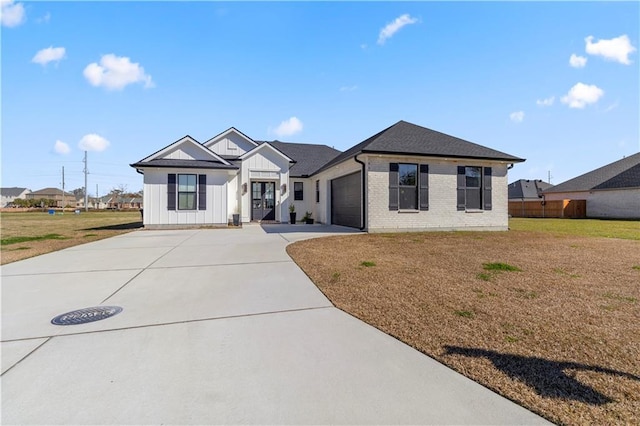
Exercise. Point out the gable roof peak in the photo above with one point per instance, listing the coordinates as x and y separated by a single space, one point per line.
231 129
159 155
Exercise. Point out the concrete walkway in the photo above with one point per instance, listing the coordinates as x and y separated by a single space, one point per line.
218 326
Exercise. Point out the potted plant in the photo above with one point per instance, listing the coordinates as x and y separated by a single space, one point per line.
292 214
236 217
307 218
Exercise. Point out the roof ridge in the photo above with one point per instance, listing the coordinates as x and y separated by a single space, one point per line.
598 176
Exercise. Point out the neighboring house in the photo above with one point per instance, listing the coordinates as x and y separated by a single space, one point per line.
525 199
62 199
8 195
112 202
406 177
527 190
611 191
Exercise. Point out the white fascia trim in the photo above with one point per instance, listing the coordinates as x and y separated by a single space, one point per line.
187 139
261 146
216 138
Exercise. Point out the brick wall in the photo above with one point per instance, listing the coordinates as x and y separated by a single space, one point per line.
442 213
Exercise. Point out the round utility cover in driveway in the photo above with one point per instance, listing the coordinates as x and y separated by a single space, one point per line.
83 316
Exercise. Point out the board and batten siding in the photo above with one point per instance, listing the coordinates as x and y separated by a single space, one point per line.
230 144
155 199
265 165
184 152
308 197
442 213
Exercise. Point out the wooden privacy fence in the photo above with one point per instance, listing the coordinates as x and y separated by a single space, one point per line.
569 209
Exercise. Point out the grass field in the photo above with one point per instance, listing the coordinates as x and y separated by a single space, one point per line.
28 234
547 314
625 229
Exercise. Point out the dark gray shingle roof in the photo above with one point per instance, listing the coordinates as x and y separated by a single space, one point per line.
525 188
12 192
308 157
623 173
411 139
184 164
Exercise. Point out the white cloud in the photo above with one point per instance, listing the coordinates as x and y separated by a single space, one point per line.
11 14
582 94
289 127
93 142
116 72
577 61
50 54
348 88
61 147
611 107
393 27
616 49
517 116
546 102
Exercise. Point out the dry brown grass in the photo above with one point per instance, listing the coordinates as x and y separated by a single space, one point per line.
73 230
561 337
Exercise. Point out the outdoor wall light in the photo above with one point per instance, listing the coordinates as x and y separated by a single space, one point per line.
244 188
284 188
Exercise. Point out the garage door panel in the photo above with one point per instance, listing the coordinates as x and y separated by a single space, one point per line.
346 200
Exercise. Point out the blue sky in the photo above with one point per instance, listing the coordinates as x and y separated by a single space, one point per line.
555 83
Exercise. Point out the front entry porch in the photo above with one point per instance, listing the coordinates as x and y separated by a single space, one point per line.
263 201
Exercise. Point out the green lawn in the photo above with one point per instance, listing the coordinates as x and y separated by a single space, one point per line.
625 229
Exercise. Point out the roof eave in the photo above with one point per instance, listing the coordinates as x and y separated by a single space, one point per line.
470 157
162 166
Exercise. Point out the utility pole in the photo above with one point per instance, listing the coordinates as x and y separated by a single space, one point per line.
549 177
97 198
62 189
86 191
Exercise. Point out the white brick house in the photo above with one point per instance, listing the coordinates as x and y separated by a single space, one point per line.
404 178
611 191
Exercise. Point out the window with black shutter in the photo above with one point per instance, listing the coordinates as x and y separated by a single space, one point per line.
474 188
171 191
202 192
424 187
393 186
186 192
408 186
487 188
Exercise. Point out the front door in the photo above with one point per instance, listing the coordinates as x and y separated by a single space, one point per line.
263 200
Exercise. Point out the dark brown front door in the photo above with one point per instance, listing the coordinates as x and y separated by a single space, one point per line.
263 200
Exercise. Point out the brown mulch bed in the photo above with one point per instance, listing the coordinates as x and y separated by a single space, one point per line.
561 337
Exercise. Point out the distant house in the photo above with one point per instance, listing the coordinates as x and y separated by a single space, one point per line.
525 198
612 191
61 199
10 194
404 178
525 189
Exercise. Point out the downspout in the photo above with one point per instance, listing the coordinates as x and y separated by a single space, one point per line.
364 193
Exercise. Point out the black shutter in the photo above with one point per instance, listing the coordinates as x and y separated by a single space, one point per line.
486 185
462 187
171 191
424 187
393 186
202 192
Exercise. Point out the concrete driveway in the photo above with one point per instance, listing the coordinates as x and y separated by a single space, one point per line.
218 326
